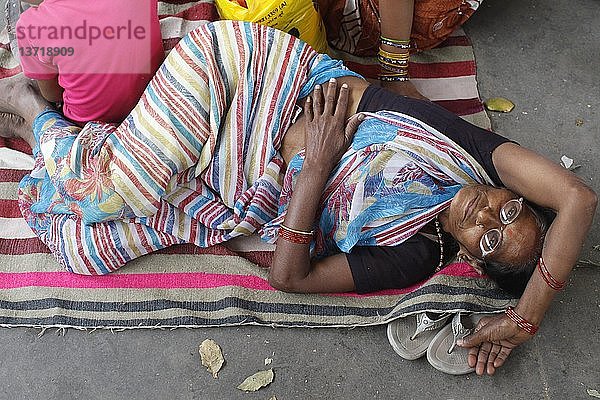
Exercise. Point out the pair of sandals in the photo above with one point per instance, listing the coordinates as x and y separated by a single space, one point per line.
428 333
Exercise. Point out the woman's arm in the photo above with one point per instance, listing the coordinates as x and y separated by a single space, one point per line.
51 90
327 138
549 185
396 18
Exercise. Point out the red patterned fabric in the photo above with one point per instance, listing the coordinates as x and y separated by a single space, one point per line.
353 26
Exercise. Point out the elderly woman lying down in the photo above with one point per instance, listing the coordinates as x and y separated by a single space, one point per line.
247 130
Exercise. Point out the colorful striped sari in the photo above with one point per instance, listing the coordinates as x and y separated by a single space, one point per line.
397 176
197 160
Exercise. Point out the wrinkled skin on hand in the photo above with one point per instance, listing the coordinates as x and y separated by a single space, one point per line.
328 136
492 342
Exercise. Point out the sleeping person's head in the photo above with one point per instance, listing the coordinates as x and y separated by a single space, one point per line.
497 232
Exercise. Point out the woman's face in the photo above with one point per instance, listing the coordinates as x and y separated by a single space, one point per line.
476 209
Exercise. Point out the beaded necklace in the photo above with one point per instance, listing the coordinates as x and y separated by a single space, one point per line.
438 230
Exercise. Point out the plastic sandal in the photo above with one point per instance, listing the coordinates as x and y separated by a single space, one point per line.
443 353
410 336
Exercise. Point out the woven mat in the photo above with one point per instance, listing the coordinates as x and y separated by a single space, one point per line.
186 286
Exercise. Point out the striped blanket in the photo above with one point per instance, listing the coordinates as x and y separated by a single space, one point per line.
222 285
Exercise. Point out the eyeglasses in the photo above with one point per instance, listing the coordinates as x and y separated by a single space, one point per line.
491 240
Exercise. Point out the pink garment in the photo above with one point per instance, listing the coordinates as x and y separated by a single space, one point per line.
104 53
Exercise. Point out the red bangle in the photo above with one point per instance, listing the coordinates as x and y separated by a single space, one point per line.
548 278
294 236
521 322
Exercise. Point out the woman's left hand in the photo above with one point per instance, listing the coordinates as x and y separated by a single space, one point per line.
492 342
328 135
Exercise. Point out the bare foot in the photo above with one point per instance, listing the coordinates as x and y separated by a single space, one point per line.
20 96
11 90
12 125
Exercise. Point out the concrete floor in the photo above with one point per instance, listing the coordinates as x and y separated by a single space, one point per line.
543 55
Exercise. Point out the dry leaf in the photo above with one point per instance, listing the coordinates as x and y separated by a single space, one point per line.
273 398
256 381
593 393
499 104
212 357
566 162
268 361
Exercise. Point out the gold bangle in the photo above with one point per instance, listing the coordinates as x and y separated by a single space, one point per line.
394 56
394 41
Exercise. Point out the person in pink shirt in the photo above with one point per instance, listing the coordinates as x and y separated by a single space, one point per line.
94 57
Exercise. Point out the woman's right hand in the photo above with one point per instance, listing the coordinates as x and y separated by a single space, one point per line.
327 134
492 342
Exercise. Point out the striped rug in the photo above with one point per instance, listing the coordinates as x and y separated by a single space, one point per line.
445 75
186 286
